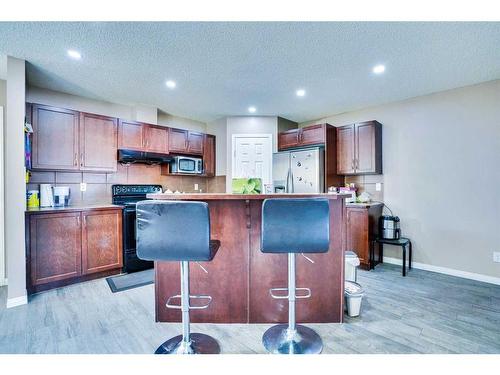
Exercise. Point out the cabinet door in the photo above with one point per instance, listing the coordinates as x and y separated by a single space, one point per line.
288 139
101 241
345 149
131 135
312 135
98 143
156 139
368 157
55 138
195 143
357 233
177 140
55 247
209 155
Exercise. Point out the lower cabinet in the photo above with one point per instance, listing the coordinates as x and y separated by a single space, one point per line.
67 247
362 228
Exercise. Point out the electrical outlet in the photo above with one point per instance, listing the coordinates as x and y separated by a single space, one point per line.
378 186
195 186
83 186
496 256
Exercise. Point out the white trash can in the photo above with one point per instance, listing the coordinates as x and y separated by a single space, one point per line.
353 295
351 265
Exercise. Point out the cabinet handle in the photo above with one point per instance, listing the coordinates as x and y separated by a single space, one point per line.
352 165
81 160
356 164
84 220
75 161
78 220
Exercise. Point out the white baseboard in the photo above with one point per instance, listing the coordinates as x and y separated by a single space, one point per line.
18 301
446 271
3 282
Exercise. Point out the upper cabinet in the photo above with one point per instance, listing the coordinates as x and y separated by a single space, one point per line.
209 156
55 138
181 141
142 137
98 143
83 141
359 148
307 136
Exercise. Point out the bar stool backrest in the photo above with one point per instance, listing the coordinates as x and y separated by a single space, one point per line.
173 231
295 225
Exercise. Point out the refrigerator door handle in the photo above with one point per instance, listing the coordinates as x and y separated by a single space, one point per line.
289 181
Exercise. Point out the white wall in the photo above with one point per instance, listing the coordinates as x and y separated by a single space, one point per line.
442 174
247 125
15 190
180 122
3 98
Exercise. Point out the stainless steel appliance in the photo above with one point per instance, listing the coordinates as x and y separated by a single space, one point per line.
128 196
299 171
389 228
185 164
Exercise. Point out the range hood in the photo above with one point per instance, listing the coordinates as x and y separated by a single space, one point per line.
131 156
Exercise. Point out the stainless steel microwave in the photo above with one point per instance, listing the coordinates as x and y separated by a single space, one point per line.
185 164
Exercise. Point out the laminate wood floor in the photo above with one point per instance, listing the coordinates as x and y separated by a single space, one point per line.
424 312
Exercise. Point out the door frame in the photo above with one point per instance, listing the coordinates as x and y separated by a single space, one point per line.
3 280
233 153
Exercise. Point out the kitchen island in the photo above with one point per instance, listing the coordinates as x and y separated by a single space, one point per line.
240 275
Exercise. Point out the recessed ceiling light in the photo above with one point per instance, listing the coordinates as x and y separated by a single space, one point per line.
379 69
171 84
252 109
300 92
74 54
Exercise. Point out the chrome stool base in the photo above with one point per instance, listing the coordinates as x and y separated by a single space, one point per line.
303 340
199 344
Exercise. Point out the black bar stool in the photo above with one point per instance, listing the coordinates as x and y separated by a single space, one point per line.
178 231
294 226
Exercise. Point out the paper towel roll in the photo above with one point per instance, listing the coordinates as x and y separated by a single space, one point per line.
46 196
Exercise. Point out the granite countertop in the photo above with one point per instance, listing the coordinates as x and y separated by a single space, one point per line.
228 196
368 204
81 207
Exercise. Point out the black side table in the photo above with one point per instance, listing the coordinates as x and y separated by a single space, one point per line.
403 242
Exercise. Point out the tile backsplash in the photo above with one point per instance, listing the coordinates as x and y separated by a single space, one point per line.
98 189
367 183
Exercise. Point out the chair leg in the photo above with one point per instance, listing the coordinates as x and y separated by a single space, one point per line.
188 343
292 338
380 252
409 257
404 260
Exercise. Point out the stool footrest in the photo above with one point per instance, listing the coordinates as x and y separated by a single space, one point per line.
193 296
282 296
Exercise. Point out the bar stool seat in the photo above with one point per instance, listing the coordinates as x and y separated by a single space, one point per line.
294 226
179 231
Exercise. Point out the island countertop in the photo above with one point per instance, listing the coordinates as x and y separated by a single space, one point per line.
228 196
240 275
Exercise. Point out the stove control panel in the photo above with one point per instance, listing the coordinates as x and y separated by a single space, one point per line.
135 189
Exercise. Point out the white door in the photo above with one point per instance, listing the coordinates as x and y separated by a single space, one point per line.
252 156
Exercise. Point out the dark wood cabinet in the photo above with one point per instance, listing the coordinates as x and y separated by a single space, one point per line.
101 241
55 247
156 139
65 246
209 155
55 138
362 228
183 141
288 139
359 148
98 143
306 136
131 135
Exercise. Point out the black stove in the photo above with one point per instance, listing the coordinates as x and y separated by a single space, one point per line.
128 196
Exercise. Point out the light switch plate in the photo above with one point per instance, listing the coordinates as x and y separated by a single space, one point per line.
83 186
496 256
195 186
378 186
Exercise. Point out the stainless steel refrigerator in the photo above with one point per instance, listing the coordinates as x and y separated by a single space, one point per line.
299 171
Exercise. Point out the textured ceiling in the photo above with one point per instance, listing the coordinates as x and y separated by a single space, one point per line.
222 68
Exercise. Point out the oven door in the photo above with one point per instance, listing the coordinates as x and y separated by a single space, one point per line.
131 263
